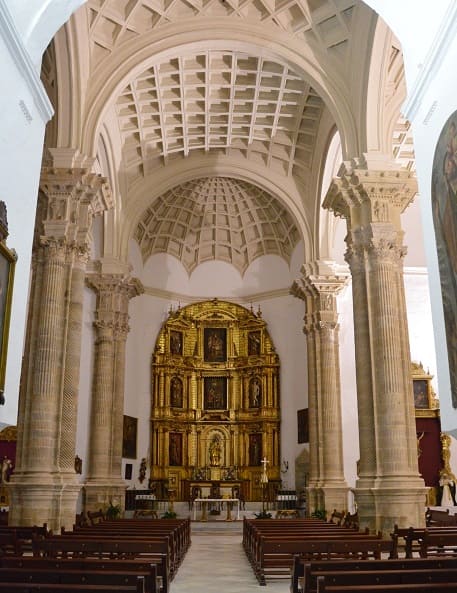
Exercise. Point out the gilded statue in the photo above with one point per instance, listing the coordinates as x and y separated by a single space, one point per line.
215 452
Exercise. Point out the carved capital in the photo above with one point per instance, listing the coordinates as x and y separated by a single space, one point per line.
364 196
74 196
113 295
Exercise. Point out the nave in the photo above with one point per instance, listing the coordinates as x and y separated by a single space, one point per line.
216 562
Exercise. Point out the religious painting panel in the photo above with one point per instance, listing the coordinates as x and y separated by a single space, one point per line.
215 393
7 268
176 393
215 344
176 342
129 437
254 338
420 390
255 449
444 208
303 426
255 392
175 448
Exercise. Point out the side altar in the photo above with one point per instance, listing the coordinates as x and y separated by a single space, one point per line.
215 403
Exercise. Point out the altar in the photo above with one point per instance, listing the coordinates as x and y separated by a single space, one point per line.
204 502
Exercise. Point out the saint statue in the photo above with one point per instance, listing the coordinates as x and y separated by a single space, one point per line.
215 452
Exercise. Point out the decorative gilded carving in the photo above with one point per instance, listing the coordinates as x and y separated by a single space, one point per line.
215 394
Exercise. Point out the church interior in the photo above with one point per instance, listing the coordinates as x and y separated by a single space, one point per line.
229 266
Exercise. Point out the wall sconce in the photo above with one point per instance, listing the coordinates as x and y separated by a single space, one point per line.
284 466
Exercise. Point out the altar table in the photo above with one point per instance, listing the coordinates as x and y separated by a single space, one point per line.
204 502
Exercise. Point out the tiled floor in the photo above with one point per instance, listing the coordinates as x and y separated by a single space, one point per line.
216 563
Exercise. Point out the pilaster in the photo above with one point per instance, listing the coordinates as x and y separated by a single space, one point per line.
318 287
44 487
389 489
104 480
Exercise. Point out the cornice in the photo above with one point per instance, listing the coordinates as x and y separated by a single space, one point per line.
24 64
445 36
169 295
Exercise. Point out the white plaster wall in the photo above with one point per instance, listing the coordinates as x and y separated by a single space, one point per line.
24 110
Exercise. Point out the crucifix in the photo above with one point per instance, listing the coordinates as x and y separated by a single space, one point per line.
264 462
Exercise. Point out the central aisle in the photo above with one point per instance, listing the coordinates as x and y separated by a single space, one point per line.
216 563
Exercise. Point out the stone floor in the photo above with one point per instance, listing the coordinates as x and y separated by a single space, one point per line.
216 563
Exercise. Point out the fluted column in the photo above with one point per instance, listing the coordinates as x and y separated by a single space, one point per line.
318 287
389 489
104 481
44 487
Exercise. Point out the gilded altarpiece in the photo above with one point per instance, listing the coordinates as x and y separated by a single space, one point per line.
215 402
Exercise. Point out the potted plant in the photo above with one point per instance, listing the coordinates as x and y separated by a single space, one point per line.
263 515
113 511
169 515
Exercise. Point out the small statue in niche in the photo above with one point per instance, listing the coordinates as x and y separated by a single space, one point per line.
215 452
142 473
78 465
254 393
176 393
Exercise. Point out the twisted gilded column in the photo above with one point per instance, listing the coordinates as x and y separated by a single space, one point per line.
318 287
44 487
389 489
104 481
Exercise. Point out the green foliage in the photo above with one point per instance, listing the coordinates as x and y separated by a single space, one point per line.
169 515
113 511
319 514
263 515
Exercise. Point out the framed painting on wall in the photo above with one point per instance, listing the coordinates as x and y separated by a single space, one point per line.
7 267
129 437
215 344
175 342
215 393
303 426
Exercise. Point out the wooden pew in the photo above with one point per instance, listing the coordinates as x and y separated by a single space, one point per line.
412 536
67 588
137 582
438 543
277 556
305 572
386 588
23 535
439 518
60 547
152 569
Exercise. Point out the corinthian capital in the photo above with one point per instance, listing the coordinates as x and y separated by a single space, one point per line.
364 196
75 194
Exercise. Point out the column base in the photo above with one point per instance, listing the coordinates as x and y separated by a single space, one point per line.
99 494
382 507
335 497
43 498
315 498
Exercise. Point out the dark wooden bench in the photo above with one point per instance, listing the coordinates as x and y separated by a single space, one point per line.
386 588
67 588
96 517
277 557
437 542
60 547
138 582
154 568
305 572
438 517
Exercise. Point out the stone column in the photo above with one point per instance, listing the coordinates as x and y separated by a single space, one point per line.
389 489
44 487
318 287
104 481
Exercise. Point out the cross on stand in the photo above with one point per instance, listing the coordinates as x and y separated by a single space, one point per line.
264 480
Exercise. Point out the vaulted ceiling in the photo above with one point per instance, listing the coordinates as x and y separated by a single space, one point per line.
230 111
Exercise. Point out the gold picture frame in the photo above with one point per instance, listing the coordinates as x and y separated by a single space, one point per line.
8 258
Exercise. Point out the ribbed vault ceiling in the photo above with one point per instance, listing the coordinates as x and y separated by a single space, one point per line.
217 218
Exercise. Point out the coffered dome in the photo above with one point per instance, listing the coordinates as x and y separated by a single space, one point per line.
217 218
